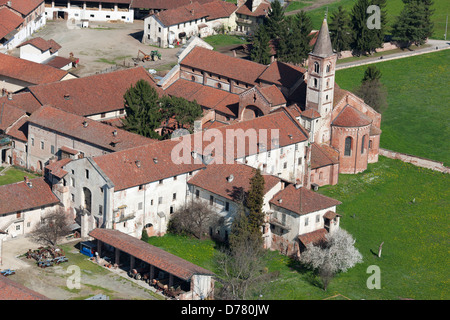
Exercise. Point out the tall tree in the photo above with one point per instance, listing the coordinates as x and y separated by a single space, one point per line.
274 19
185 112
143 110
54 226
372 91
254 203
413 25
363 37
340 31
260 46
378 34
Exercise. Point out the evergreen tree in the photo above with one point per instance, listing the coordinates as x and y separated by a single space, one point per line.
414 25
183 111
378 38
261 50
371 73
274 20
340 31
142 109
372 91
364 39
254 203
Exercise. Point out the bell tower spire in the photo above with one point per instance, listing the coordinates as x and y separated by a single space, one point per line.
320 79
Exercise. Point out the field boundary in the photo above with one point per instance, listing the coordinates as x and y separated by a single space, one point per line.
415 160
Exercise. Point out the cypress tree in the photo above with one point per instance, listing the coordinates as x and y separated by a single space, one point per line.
363 37
254 203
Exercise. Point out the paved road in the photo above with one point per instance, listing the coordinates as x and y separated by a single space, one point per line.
436 45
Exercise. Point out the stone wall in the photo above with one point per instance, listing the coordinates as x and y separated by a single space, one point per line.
417 161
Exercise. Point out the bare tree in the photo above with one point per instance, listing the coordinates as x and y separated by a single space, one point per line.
54 226
336 254
195 217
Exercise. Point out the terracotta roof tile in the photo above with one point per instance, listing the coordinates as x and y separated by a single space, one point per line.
11 290
192 11
23 6
19 130
9 21
219 9
163 4
93 94
351 117
24 100
56 168
216 179
28 71
261 10
88 130
283 74
315 237
20 197
322 156
9 115
302 200
273 95
245 71
148 253
310 114
42 44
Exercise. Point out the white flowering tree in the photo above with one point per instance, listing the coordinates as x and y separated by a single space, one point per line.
337 254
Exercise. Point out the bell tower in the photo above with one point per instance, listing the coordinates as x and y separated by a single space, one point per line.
320 81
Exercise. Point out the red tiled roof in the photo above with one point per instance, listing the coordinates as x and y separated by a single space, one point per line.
24 100
42 44
29 71
209 97
283 74
148 253
23 6
9 115
219 9
93 94
273 95
20 197
11 290
351 117
302 200
19 130
58 62
122 170
56 168
216 179
322 156
9 21
163 4
95 132
192 11
221 64
261 10
315 237
311 114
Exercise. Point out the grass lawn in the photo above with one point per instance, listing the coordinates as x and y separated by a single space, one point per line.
222 40
14 175
393 8
415 252
417 119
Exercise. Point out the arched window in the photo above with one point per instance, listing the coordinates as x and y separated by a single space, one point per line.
363 142
328 68
348 146
315 83
316 67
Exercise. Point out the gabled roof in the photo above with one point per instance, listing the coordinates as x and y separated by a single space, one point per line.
56 168
9 21
42 44
323 155
351 117
148 253
93 94
272 94
192 11
283 74
20 196
23 100
11 290
261 10
219 9
23 6
315 237
301 200
91 131
216 179
29 71
9 115
245 71
19 130
162 4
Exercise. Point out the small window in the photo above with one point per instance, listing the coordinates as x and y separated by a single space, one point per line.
103 115
171 209
317 218
141 187
211 200
316 67
32 142
348 146
306 221
42 145
87 174
285 165
299 161
227 206
140 206
174 196
151 202
175 178
197 193
72 182
52 149
160 200
363 142
161 181
100 209
73 197
315 83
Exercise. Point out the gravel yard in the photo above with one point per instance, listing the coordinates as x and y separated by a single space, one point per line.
56 282
103 45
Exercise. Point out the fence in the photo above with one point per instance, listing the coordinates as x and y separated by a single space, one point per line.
417 161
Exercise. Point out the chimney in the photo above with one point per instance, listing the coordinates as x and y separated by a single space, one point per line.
9 3
115 133
10 95
85 124
138 163
25 178
155 160
230 178
66 97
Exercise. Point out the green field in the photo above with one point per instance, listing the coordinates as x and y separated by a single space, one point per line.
223 40
377 206
14 175
417 119
393 8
